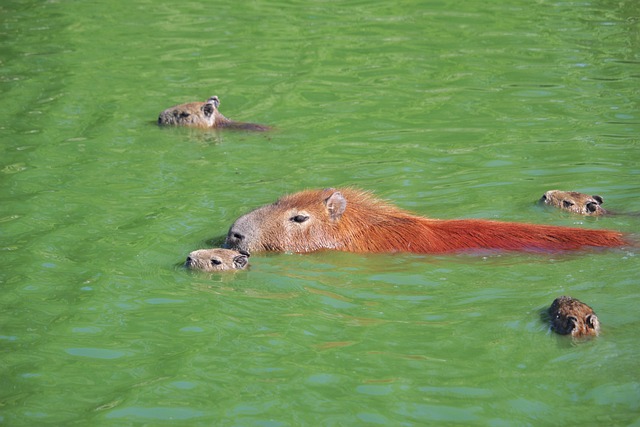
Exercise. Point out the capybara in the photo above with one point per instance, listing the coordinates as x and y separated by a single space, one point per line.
217 259
570 316
203 115
355 221
573 201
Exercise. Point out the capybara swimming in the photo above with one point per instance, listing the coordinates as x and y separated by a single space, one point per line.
570 316
573 201
217 259
203 115
355 221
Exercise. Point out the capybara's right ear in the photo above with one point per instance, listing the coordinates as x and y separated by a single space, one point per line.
598 199
593 322
207 109
336 204
240 261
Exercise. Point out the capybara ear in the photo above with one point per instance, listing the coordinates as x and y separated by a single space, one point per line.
592 206
240 261
336 204
208 109
593 322
214 100
598 199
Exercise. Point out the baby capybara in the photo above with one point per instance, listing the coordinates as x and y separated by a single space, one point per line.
217 259
203 115
573 201
571 316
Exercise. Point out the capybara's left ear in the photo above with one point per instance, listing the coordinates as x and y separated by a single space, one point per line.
214 100
240 261
336 204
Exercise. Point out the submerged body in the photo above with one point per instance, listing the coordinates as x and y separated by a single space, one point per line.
217 259
203 115
573 201
355 221
571 316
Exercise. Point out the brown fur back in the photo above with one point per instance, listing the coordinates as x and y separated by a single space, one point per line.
367 224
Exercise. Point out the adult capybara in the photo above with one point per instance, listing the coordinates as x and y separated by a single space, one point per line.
203 115
353 220
569 316
217 259
573 201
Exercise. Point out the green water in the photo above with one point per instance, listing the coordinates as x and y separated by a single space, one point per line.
449 109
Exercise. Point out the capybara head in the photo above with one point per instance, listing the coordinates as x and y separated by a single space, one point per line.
575 202
217 259
300 222
570 316
193 114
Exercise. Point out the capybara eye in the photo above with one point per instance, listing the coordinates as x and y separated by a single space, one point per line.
591 207
300 218
184 115
215 261
571 321
567 204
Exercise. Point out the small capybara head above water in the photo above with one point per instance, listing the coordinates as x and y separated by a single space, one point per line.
217 259
570 316
575 202
353 220
203 115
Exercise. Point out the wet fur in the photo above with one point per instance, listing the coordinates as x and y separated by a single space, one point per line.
575 202
569 316
217 260
203 115
355 221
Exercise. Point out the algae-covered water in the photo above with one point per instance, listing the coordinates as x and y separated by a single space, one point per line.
448 109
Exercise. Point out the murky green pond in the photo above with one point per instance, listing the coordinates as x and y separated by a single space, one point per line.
448 109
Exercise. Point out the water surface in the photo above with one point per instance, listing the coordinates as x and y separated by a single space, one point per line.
449 110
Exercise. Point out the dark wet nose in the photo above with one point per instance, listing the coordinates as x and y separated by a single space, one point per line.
188 262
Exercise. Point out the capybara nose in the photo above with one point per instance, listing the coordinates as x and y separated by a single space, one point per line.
188 261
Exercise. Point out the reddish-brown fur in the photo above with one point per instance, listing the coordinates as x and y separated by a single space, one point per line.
353 220
571 316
